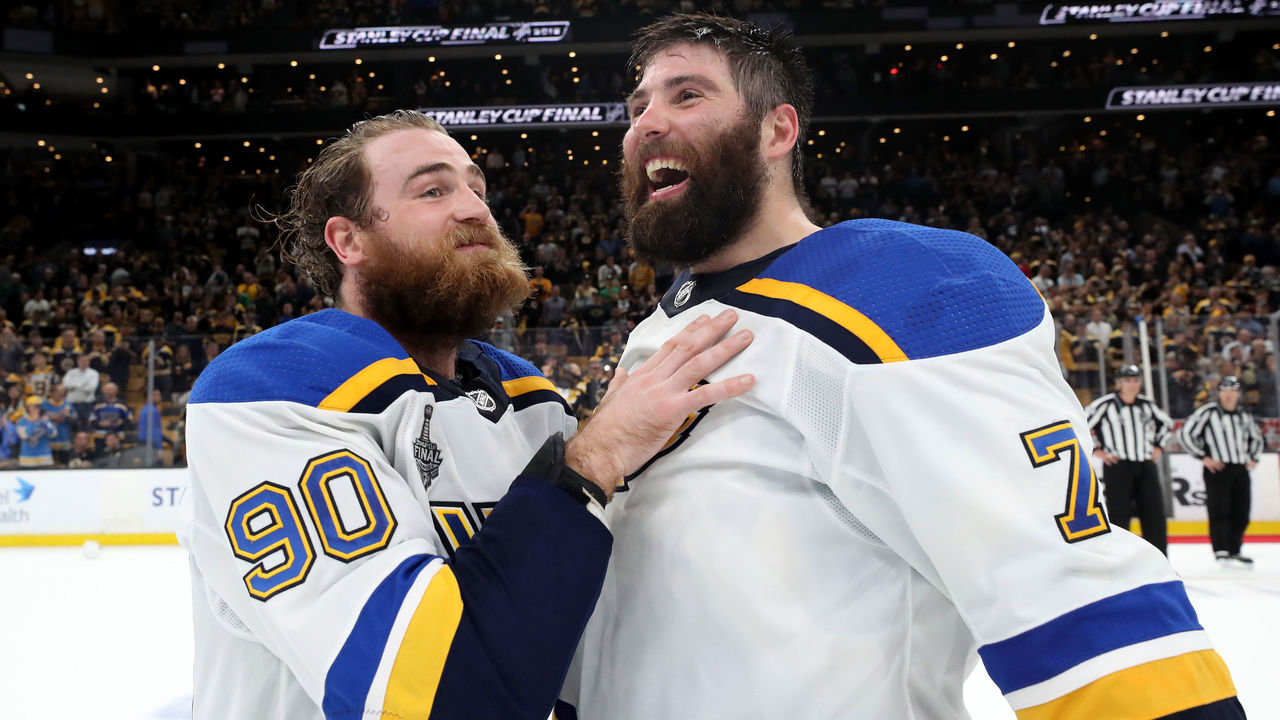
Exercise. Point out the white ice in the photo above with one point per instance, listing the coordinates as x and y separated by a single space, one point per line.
110 638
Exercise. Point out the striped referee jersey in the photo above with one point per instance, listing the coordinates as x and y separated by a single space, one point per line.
1128 430
1228 437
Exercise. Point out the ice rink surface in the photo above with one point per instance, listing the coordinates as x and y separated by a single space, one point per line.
110 638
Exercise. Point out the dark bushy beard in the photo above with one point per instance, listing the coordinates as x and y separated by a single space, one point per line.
441 295
726 180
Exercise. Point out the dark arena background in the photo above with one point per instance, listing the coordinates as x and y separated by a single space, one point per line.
1125 156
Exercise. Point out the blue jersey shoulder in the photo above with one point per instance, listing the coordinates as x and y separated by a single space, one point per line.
303 360
931 291
511 367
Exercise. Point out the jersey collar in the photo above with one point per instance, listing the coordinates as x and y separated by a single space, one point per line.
691 289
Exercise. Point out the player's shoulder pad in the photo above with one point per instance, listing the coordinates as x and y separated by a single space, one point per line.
332 360
885 291
523 383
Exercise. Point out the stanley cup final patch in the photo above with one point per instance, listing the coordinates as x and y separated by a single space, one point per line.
426 453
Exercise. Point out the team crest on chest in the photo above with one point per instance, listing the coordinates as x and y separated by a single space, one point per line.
426 453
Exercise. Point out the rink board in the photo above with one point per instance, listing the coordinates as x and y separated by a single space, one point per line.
141 507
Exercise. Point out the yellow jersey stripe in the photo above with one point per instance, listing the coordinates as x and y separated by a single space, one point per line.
415 675
367 380
850 319
1151 690
523 385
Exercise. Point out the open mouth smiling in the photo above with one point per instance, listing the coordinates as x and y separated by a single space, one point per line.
667 177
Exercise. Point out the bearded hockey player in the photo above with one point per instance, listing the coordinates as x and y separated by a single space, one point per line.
907 486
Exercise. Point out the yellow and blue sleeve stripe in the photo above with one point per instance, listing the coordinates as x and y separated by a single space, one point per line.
490 633
1138 641
883 291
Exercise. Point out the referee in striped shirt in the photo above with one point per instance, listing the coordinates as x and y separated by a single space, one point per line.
1228 442
1131 433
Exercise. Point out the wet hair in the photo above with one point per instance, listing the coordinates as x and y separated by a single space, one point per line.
337 184
767 67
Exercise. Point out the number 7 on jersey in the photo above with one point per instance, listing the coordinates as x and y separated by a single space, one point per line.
1083 517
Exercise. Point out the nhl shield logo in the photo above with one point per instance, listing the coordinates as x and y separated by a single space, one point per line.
483 400
682 295
426 453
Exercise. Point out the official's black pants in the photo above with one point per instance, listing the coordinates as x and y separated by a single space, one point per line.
1131 488
1228 494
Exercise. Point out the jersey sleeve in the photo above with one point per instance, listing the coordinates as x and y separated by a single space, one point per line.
320 549
1164 425
974 468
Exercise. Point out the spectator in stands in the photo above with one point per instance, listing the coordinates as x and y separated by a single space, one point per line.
8 441
501 336
36 433
81 383
150 422
110 416
62 414
41 378
111 455
11 355
82 453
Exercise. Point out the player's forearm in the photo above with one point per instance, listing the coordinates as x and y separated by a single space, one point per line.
529 581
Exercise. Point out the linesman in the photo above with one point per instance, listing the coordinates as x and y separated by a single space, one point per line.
1228 442
1132 433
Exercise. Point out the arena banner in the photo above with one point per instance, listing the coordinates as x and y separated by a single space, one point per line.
419 35
1064 13
1186 485
1200 95
514 116
49 506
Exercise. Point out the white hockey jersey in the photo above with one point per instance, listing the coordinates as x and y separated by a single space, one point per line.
358 546
906 483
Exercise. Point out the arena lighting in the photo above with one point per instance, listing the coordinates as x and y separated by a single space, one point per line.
1164 33
1012 44
504 71
198 146
99 80
182 81
1208 48
944 58
312 76
821 133
1133 51
1093 36
95 105
293 63
497 56
359 61
431 59
40 143
573 54
884 140
104 90
107 158
246 143
964 128
155 68
897 131
893 71
907 48
222 66
318 142
31 76
994 56
36 86
1088 118
959 46
1271 113
1066 53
